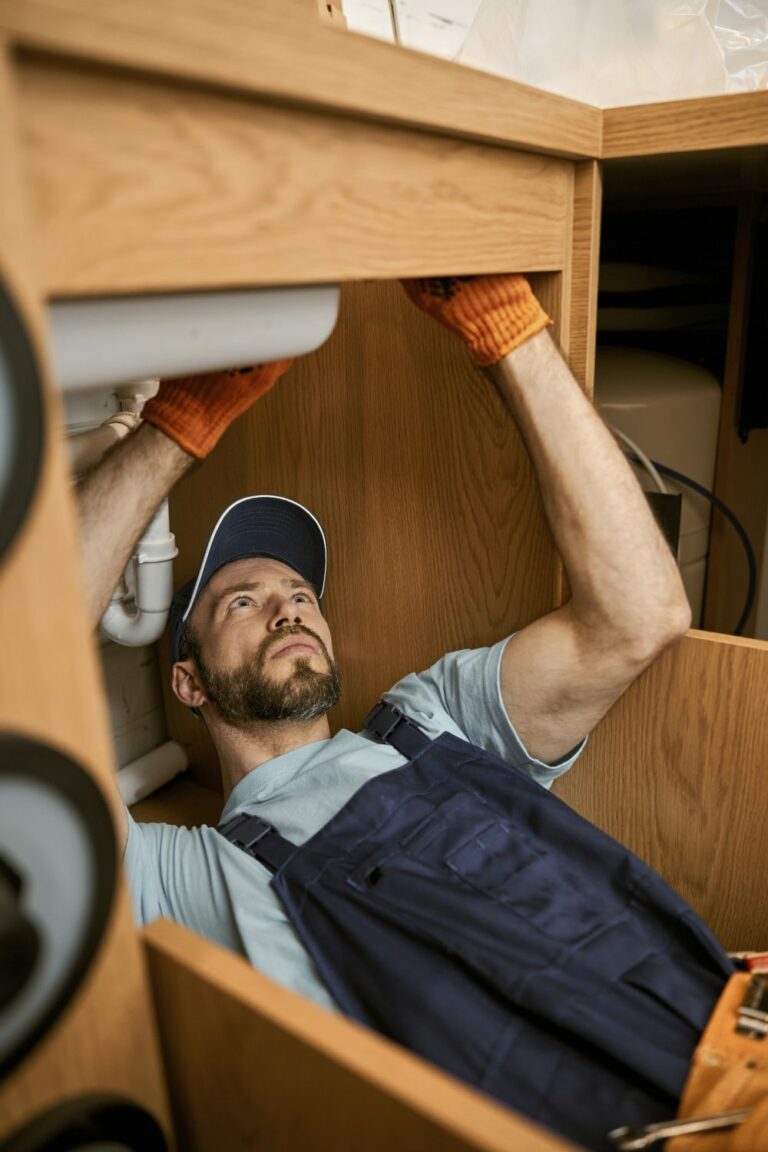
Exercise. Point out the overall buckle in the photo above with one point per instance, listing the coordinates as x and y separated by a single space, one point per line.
382 720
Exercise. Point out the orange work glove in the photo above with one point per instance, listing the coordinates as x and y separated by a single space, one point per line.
492 314
195 411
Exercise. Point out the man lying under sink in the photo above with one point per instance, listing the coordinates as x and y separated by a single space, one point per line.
418 875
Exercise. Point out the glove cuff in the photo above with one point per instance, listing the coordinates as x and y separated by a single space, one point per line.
501 316
195 411
492 314
196 420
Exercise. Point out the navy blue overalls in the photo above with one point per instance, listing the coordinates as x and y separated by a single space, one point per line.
459 908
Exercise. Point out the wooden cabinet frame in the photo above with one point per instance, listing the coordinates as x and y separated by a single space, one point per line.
188 146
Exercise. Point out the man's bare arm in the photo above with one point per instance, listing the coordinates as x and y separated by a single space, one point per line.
562 673
116 501
121 494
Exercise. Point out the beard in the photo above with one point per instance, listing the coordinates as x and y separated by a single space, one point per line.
248 693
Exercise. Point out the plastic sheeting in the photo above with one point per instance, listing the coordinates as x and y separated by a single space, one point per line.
617 52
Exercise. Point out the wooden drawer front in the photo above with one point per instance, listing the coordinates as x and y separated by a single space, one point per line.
138 185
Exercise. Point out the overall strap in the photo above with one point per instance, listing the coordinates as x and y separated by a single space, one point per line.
387 723
261 841
258 839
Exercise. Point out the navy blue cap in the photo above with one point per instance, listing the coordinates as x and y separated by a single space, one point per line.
271 526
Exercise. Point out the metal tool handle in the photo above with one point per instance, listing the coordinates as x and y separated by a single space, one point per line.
636 1137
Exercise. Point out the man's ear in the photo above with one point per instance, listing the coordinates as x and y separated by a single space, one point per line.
186 684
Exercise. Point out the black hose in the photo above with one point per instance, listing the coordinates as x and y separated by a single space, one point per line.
740 530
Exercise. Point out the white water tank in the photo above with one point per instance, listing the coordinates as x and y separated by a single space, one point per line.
671 409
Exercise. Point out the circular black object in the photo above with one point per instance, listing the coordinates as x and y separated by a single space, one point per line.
22 421
90 1122
59 854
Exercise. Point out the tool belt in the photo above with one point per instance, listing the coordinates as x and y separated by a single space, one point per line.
724 1105
729 1070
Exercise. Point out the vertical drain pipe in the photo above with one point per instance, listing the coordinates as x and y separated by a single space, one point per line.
138 615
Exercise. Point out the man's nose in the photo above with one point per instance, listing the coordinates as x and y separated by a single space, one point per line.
285 614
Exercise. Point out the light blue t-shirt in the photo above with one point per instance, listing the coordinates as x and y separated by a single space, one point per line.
199 879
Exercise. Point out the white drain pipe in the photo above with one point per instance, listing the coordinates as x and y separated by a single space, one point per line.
87 448
137 614
150 772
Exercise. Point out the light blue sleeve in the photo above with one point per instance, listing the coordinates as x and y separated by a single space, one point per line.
461 694
177 873
138 860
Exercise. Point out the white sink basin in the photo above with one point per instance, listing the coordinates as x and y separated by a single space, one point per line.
103 343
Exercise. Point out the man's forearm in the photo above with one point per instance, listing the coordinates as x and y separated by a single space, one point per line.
622 574
116 501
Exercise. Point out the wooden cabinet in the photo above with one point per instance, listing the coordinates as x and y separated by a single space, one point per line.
255 1066
105 1042
198 147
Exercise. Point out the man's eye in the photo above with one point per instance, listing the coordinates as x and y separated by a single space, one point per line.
303 598
241 601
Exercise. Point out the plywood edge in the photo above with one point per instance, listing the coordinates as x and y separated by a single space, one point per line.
725 638
270 50
696 125
389 1068
584 269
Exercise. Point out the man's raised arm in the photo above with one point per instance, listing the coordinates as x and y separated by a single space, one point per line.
562 673
116 501
120 495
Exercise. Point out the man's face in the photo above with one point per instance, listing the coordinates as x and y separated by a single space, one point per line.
264 649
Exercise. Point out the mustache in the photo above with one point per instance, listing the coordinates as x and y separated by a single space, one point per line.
291 630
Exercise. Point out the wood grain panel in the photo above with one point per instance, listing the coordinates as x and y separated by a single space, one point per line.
50 690
255 1067
145 187
272 49
741 469
584 269
732 121
407 456
677 772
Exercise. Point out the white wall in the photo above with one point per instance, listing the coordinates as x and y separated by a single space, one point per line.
437 27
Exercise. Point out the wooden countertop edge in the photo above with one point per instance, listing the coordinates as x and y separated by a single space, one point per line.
268 51
703 124
726 638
